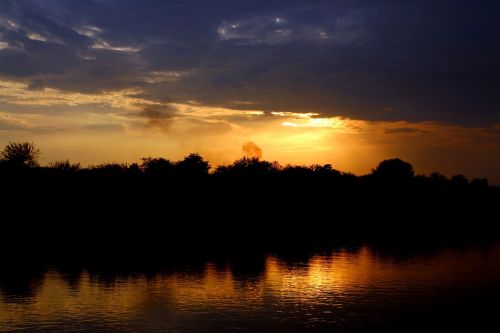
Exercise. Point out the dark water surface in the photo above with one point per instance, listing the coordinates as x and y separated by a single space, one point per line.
345 290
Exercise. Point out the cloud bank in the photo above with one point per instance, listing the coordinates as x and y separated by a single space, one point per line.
347 82
424 61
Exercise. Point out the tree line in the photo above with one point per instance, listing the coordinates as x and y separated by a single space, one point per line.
186 207
23 158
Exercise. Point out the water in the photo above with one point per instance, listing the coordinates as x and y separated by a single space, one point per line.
343 290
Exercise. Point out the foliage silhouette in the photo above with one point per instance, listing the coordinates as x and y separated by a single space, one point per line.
192 165
65 166
438 180
249 167
250 203
157 166
479 183
459 182
20 155
394 169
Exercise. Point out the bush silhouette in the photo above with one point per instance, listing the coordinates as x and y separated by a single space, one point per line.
249 167
108 170
479 183
157 166
438 180
459 182
192 165
20 155
298 171
65 166
394 169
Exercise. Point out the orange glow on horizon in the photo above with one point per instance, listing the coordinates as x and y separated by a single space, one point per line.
124 126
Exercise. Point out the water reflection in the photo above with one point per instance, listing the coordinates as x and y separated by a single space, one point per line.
344 289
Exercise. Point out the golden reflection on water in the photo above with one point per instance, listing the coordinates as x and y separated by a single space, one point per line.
335 278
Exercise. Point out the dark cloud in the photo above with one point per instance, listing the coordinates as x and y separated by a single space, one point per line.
401 130
36 84
158 117
424 60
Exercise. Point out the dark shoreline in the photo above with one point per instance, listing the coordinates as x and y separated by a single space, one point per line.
139 213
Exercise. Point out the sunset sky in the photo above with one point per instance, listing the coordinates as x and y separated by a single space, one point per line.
346 82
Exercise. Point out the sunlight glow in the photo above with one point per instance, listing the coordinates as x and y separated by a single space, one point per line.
310 120
74 125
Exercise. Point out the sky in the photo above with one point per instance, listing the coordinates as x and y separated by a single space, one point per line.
345 82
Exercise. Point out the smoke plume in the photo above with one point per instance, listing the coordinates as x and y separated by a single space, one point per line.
251 150
158 117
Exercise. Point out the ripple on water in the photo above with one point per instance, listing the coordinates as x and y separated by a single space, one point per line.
346 289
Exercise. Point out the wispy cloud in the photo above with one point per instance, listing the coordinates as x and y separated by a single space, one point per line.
95 34
16 93
89 31
156 77
276 30
103 45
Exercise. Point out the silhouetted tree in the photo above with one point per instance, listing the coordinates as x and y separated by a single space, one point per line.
134 169
479 183
192 165
157 166
20 155
394 169
249 167
325 170
108 169
297 171
438 180
306 171
65 166
459 182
